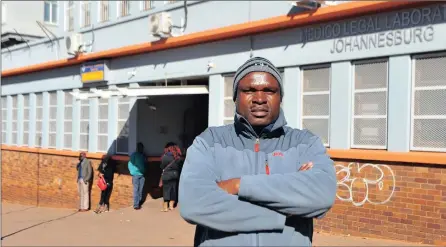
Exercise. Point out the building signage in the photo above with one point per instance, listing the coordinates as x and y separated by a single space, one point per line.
93 72
400 28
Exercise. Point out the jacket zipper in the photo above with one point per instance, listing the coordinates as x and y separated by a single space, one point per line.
257 149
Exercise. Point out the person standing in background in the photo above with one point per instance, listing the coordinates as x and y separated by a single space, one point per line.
137 167
106 170
171 162
84 177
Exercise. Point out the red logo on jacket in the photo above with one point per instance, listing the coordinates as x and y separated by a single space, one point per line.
276 154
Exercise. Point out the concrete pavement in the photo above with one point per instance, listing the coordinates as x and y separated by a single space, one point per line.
32 226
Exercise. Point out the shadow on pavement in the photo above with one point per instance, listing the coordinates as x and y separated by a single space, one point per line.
20 210
41 223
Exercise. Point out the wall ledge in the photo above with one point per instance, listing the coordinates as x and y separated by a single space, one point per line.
350 154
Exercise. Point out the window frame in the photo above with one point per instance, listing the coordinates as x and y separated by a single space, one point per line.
414 58
102 120
4 13
65 120
5 119
143 5
119 119
15 110
302 93
353 93
120 4
69 15
84 102
26 107
52 120
102 11
83 14
38 139
227 120
51 21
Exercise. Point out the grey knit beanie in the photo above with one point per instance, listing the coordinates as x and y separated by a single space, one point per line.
256 64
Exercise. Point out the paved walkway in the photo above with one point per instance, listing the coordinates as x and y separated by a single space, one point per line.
32 226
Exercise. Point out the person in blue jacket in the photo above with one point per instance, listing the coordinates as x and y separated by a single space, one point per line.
137 168
256 182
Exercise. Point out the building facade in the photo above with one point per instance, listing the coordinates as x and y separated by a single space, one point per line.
368 77
25 22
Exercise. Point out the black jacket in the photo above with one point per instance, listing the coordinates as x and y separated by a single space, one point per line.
108 169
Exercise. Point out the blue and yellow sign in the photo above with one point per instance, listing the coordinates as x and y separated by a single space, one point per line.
94 72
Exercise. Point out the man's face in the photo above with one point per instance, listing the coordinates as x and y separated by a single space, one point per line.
258 98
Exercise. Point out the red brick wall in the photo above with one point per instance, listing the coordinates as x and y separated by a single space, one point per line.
395 201
403 201
50 181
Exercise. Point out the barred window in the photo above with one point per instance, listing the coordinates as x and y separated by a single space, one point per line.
103 125
85 13
39 118
4 119
68 122
316 101
26 118
104 11
428 132
84 124
370 105
229 105
52 121
146 5
14 121
123 8
69 16
122 141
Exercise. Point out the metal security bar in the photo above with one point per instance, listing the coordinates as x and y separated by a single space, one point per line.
370 105
428 132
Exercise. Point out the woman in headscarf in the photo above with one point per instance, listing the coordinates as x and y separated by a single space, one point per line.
106 170
171 162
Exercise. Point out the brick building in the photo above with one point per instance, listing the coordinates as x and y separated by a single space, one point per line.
368 77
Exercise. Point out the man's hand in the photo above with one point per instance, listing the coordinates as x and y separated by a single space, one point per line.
306 166
231 185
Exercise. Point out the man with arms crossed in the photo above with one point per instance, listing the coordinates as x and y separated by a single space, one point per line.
256 182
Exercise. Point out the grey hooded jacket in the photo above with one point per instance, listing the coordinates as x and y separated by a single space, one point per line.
270 210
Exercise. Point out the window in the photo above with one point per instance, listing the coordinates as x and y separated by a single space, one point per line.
52 122
4 119
428 132
39 117
68 122
50 12
85 13
122 142
69 16
316 101
123 8
104 11
229 105
3 13
146 5
15 110
26 120
169 2
103 125
370 105
84 124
